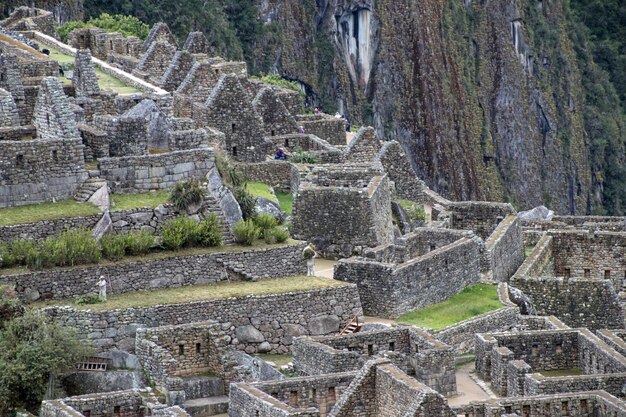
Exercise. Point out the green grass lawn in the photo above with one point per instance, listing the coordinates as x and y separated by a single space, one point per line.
561 372
203 292
259 189
45 211
278 360
131 201
528 250
107 82
285 200
470 302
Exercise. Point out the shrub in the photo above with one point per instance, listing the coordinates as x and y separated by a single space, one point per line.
303 157
87 299
65 29
21 249
416 213
246 232
277 234
139 243
246 202
113 246
178 232
71 247
7 259
208 232
186 193
265 222
229 173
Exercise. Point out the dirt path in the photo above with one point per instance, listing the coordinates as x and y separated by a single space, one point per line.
324 268
468 390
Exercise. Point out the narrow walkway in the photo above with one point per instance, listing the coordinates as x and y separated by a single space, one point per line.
325 268
468 390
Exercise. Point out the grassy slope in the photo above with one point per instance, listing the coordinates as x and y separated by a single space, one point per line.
45 211
131 201
205 292
259 189
470 302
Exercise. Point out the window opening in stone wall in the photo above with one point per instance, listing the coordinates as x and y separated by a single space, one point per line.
392 346
564 408
48 119
55 156
181 349
234 151
87 413
526 411
1 76
559 347
117 412
233 127
286 143
566 272
370 350
256 413
587 273
19 161
535 350
273 133
111 45
293 399
331 394
432 247
507 410
583 406
217 71
417 348
607 274
198 347
127 49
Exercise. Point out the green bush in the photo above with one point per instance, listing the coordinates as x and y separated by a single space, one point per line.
265 222
71 247
7 259
113 246
87 299
246 232
416 213
303 157
246 202
21 249
186 193
229 173
208 232
178 232
139 243
64 30
277 234
126 25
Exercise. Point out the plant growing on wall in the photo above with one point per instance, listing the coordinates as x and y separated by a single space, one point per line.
186 194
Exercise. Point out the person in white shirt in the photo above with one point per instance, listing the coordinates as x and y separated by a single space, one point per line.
102 288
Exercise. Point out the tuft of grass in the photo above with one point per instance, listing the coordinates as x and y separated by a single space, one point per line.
285 201
133 201
204 292
45 211
278 360
259 189
472 301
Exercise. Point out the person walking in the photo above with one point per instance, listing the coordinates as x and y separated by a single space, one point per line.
102 288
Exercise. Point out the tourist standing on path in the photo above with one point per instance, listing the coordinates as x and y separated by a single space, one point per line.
102 288
309 254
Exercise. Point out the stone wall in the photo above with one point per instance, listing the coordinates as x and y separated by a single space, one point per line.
329 128
52 116
275 116
363 147
40 170
479 216
505 249
539 258
126 135
537 384
122 221
389 290
347 218
584 404
248 321
415 352
398 168
167 272
578 302
597 255
281 175
133 174
319 148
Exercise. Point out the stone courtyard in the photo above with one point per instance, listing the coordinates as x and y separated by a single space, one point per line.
202 331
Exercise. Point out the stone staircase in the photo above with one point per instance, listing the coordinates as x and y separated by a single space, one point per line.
213 206
86 190
204 396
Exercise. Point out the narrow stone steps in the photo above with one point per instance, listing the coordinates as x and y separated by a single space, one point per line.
205 407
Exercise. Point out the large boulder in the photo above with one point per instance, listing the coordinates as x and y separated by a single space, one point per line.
324 325
263 205
249 334
538 213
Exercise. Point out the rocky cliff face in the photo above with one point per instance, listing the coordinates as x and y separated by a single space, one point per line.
486 96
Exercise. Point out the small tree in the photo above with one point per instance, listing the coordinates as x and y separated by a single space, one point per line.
31 350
